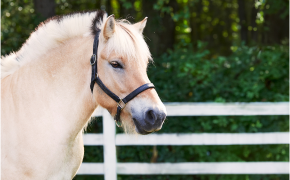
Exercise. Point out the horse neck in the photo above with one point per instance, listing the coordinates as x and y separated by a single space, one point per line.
60 83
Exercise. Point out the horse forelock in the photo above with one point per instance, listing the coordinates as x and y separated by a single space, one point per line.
128 43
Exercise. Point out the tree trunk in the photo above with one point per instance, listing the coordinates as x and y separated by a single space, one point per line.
254 24
46 8
243 23
167 34
160 28
108 7
195 21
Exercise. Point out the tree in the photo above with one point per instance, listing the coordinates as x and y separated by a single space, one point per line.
243 22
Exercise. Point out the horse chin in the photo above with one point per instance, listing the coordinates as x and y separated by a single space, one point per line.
128 126
139 129
133 127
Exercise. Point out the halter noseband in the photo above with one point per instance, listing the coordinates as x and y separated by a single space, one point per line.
121 103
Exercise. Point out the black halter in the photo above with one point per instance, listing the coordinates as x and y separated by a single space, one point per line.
121 103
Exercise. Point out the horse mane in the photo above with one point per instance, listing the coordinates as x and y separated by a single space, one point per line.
54 31
50 34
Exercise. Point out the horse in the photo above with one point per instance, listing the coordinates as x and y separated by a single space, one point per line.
46 97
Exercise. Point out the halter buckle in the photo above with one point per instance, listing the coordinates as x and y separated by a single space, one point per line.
95 59
119 124
121 104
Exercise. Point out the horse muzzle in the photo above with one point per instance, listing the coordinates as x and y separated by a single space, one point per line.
151 121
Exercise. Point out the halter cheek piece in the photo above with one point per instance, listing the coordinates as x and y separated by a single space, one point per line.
121 103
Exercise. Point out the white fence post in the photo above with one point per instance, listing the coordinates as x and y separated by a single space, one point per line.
110 159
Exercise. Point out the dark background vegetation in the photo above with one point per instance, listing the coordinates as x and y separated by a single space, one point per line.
204 51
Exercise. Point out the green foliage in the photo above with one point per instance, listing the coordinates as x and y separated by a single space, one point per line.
225 124
93 154
69 6
163 6
127 4
18 20
250 74
233 153
273 7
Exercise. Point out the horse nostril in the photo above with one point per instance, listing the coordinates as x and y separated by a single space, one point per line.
154 117
150 117
162 116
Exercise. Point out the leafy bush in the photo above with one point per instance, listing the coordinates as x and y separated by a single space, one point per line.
18 20
188 74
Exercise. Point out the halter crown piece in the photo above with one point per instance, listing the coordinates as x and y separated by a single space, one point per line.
121 103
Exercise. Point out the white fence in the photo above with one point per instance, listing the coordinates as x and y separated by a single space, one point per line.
110 168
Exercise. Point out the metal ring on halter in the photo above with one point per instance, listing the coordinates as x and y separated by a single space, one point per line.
121 104
95 59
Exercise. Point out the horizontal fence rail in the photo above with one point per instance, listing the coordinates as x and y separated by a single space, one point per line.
222 109
110 168
191 168
192 139
91 169
227 109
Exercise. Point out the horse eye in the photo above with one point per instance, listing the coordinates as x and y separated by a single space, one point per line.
115 64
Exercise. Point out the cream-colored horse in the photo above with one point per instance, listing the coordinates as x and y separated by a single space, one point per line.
46 96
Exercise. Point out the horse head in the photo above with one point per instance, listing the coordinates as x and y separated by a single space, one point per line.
122 60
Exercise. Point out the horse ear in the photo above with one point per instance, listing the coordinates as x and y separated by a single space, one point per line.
141 25
109 27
